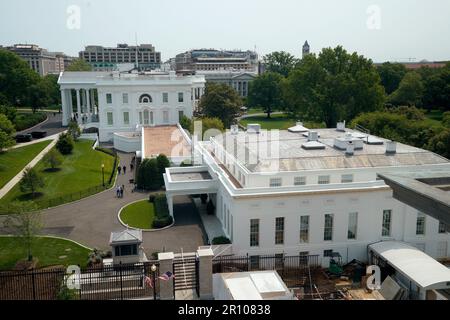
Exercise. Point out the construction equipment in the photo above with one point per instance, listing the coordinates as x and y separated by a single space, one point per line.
335 267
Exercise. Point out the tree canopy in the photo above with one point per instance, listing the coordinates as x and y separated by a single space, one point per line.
7 132
391 74
79 65
280 62
266 92
410 91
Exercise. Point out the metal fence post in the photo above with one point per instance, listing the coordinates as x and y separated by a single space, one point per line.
121 283
33 278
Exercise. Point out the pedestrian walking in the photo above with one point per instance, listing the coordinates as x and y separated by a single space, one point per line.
131 166
118 192
124 169
119 168
123 189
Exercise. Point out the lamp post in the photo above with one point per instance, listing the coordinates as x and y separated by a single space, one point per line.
103 174
153 268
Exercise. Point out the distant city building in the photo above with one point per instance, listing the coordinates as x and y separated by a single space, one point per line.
237 79
211 60
144 56
41 60
305 49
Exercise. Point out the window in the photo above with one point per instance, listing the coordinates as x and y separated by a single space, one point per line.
166 116
442 228
180 115
420 224
328 228
126 250
108 98
386 227
125 98
328 253
275 182
165 97
254 262
180 97
304 229
324 180
145 98
146 117
140 117
254 232
299 181
347 178
109 117
304 257
279 230
126 117
352 225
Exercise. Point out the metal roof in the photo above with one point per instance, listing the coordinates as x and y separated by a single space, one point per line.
126 236
419 267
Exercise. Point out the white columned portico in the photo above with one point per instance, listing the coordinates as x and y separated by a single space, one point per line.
79 119
65 113
88 101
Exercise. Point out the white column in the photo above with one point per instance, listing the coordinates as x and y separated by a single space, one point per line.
166 264
88 101
170 204
64 110
69 103
78 106
205 273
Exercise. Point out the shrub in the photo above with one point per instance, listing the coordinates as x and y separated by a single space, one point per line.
162 215
74 130
185 123
151 198
53 158
65 143
221 240
150 173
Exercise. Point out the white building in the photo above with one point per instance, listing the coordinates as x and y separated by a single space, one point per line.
239 80
117 102
310 192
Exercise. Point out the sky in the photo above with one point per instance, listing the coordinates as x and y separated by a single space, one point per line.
383 30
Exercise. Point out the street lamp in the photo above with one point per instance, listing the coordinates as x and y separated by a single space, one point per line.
103 174
153 269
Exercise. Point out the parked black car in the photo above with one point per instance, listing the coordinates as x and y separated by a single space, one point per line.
38 134
26 137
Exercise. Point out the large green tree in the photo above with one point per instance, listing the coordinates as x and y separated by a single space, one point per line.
333 86
221 101
280 62
79 65
7 131
31 181
410 91
391 74
265 92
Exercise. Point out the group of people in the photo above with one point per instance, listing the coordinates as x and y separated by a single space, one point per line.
124 168
119 191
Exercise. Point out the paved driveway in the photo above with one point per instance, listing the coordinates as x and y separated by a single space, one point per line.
53 125
91 220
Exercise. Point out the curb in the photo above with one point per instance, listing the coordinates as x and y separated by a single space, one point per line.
143 230
31 128
52 237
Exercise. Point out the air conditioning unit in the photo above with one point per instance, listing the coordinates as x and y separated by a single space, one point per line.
340 126
350 149
313 136
391 147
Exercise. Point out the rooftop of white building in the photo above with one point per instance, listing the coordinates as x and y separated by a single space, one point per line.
294 151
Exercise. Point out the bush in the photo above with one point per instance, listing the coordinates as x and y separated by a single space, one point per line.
150 173
221 240
162 215
24 121
151 198
53 158
65 144
74 130
185 123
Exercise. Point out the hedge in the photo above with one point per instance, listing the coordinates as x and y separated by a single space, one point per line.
221 240
162 215
116 159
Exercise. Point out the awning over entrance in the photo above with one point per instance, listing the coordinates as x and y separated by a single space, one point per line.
416 265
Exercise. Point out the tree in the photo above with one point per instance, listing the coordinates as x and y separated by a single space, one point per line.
446 119
31 181
50 82
185 123
39 95
334 86
163 163
65 143
9 111
210 127
436 88
25 222
148 177
53 159
79 65
391 74
440 143
265 92
6 133
280 62
74 130
410 91
221 101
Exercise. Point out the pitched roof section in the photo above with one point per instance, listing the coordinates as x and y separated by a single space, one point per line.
126 236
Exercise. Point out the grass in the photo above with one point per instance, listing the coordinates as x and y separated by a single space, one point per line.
80 171
14 160
276 121
48 251
139 215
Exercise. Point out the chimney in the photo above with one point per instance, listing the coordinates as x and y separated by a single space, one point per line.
340 126
391 147
350 149
313 136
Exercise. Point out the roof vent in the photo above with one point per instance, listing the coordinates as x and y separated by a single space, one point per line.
234 129
350 149
348 136
340 126
253 128
391 147
313 136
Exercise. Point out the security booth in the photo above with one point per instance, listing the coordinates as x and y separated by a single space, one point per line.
126 247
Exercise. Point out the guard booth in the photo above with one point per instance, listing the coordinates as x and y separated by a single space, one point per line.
126 247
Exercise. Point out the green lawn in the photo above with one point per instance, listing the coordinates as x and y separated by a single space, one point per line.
48 251
276 121
14 160
139 215
80 175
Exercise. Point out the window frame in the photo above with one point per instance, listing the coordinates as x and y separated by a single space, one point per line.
279 230
328 229
304 230
254 233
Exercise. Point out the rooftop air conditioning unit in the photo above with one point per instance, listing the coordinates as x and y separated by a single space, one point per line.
313 136
348 136
254 128
340 126
350 149
234 129
391 147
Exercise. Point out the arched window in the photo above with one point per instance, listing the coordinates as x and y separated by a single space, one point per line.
145 98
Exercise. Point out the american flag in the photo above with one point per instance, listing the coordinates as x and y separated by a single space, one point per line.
167 276
148 281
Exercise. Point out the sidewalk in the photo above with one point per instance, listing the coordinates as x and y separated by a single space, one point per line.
23 144
11 183
211 223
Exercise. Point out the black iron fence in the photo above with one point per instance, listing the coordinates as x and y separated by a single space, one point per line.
294 270
121 282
